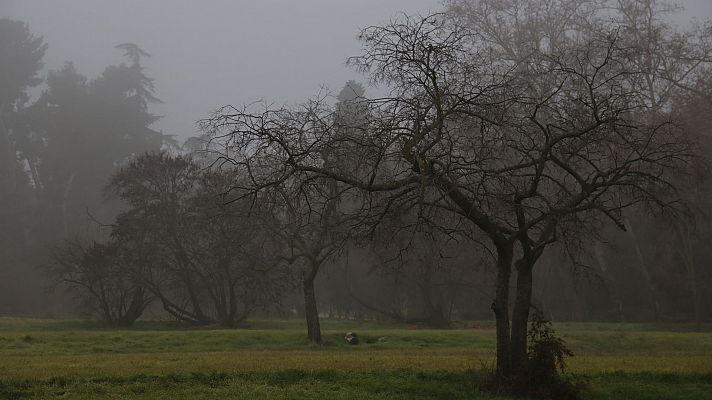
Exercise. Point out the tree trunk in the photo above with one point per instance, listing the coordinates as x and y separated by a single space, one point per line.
646 273
232 311
434 315
135 309
310 309
8 156
611 284
688 256
520 315
500 307
65 201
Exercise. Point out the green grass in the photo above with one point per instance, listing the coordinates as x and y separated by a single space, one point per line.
272 360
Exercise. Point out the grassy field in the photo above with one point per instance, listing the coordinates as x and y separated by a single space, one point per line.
272 360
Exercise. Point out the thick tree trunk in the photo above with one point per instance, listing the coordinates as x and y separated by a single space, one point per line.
310 310
500 306
520 315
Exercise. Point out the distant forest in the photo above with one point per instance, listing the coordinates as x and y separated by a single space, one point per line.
497 148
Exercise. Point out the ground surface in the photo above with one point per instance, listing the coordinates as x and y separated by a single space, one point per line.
272 360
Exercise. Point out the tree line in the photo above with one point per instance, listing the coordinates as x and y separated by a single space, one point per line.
61 135
560 142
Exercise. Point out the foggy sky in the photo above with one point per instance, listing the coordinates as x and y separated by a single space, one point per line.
210 53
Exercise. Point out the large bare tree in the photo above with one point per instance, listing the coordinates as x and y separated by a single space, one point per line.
531 147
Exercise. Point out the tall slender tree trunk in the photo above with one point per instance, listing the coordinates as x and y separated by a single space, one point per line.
611 284
653 298
65 202
500 307
8 156
520 315
232 310
311 311
687 252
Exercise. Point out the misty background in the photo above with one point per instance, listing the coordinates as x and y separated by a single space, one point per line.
208 54
211 53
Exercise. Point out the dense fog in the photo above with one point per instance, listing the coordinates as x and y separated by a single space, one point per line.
209 162
205 55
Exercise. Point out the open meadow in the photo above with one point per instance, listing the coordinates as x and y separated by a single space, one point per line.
273 360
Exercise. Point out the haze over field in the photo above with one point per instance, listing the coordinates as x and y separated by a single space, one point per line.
480 168
204 55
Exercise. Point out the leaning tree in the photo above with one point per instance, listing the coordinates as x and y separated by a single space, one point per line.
530 150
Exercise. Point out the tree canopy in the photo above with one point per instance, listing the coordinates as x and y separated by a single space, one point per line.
533 136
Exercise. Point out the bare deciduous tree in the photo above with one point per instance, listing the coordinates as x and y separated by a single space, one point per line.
209 263
307 227
531 149
105 278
